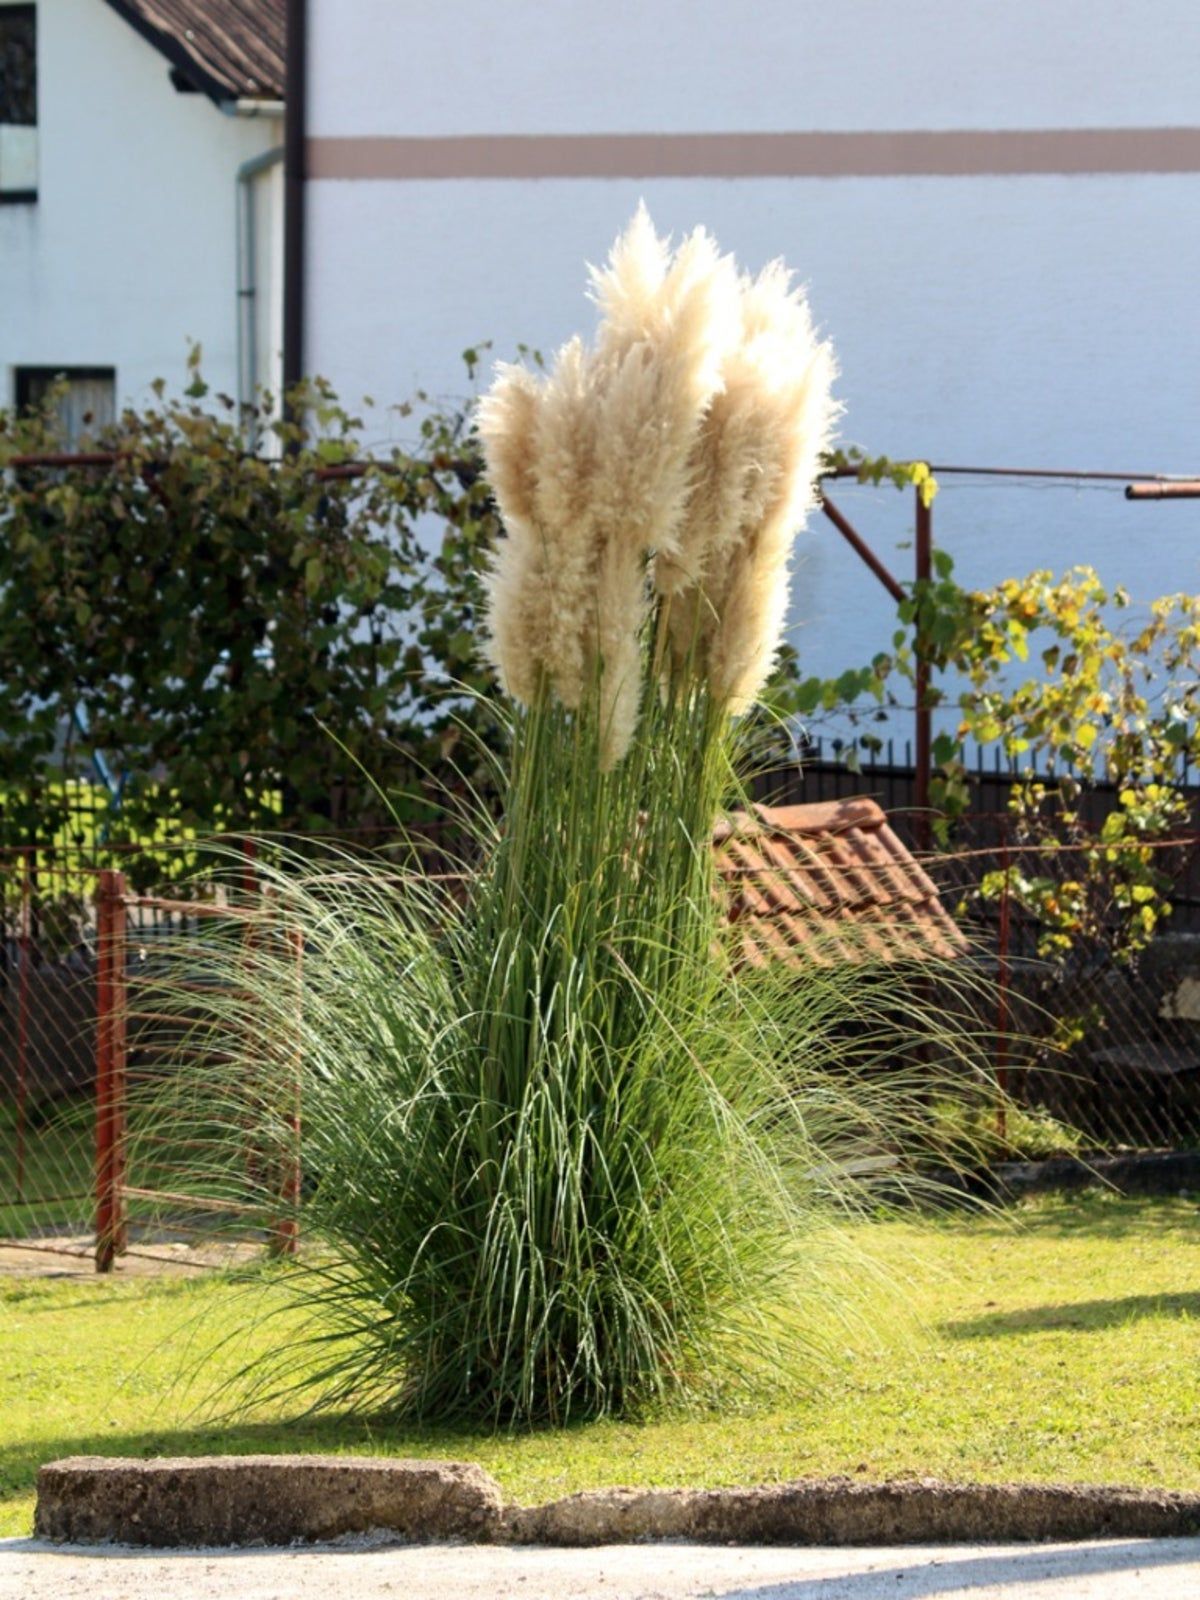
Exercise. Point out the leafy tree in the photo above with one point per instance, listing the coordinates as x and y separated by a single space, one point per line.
244 639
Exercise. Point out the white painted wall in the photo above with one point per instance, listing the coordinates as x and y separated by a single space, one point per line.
129 251
1031 321
665 66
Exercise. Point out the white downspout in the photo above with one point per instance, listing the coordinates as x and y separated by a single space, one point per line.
247 281
247 107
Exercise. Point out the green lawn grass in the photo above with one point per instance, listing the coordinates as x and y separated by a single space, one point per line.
1060 1342
56 1168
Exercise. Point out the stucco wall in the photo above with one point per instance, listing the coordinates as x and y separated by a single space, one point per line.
129 251
1028 321
674 65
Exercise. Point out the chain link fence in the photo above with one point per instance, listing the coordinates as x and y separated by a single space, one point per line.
108 1146
1093 947
47 1046
1095 1023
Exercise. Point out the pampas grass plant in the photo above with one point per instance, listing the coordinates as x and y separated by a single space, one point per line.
563 1157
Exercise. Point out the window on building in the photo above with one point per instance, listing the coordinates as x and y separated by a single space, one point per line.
18 102
85 398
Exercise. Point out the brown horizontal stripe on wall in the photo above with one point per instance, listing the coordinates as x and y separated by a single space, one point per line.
954 153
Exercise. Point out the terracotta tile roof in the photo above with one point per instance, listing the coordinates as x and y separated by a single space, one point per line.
228 49
828 882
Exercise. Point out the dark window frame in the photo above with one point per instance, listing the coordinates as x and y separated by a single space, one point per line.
25 376
28 10
27 379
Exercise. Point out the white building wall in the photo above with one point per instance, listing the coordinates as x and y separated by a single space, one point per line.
667 66
129 251
1025 319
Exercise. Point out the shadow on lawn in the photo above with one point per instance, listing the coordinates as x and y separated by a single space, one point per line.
1097 1213
1077 1315
45 1294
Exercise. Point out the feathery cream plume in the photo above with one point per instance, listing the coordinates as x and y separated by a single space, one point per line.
755 468
684 441
592 467
507 419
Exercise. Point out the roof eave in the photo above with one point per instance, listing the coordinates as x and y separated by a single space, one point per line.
220 92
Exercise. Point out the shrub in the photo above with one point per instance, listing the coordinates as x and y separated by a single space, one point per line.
192 614
567 1158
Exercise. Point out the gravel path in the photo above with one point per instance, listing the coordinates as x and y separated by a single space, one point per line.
1163 1569
72 1256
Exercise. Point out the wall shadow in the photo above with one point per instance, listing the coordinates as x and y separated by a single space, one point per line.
960 1574
1096 1213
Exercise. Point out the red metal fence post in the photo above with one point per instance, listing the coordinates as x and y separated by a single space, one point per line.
111 1225
23 956
1003 982
120 1015
922 832
249 850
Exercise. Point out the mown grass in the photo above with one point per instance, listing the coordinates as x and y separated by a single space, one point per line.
1057 1342
57 1169
56 1164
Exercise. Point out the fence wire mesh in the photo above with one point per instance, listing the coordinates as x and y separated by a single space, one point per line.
112 1141
1095 1032
1094 949
47 1046
205 1154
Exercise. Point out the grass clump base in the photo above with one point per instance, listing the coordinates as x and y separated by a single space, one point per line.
564 1158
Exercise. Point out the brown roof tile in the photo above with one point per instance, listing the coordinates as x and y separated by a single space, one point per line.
229 49
823 882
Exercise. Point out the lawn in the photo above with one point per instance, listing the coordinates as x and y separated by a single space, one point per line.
58 1183
1060 1341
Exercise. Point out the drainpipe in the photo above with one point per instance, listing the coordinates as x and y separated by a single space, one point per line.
295 137
247 282
246 107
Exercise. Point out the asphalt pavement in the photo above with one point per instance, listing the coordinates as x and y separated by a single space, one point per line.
1137 1569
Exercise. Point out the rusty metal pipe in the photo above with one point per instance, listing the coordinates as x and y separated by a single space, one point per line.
862 549
944 471
924 715
1179 489
66 458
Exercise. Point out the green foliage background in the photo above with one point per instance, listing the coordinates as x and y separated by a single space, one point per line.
200 614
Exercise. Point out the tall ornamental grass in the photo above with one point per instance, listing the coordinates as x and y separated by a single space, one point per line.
562 1156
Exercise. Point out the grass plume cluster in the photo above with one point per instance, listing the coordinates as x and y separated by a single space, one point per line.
563 1159
555 1166
666 469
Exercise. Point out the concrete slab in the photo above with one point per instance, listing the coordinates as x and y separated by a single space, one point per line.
276 1499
